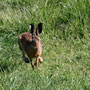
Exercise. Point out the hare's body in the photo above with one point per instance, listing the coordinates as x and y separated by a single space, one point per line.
30 44
33 48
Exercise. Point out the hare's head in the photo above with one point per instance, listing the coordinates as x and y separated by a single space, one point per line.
35 35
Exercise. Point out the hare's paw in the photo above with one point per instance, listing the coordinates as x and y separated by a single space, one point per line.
40 60
26 60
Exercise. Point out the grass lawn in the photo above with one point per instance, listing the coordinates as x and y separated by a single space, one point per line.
66 44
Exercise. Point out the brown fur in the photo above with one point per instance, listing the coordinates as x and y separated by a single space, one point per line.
30 44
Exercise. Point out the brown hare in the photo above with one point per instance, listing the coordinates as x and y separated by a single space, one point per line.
30 44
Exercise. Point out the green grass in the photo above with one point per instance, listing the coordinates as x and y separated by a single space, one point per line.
66 44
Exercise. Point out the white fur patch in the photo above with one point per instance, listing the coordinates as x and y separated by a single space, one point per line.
20 37
30 26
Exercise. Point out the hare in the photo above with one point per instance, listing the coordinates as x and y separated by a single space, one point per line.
30 44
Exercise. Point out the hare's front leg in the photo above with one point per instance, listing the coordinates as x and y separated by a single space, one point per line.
40 59
37 60
32 64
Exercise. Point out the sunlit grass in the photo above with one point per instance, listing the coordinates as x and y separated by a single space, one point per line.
66 44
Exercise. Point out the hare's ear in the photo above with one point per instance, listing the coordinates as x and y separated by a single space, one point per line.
31 28
39 29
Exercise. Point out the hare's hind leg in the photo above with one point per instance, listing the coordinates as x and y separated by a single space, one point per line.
25 58
23 54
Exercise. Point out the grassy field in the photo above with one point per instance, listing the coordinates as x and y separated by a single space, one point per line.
66 44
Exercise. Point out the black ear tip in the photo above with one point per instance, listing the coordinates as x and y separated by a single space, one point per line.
40 24
31 25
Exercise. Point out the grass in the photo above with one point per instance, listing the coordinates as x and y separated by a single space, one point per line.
66 44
